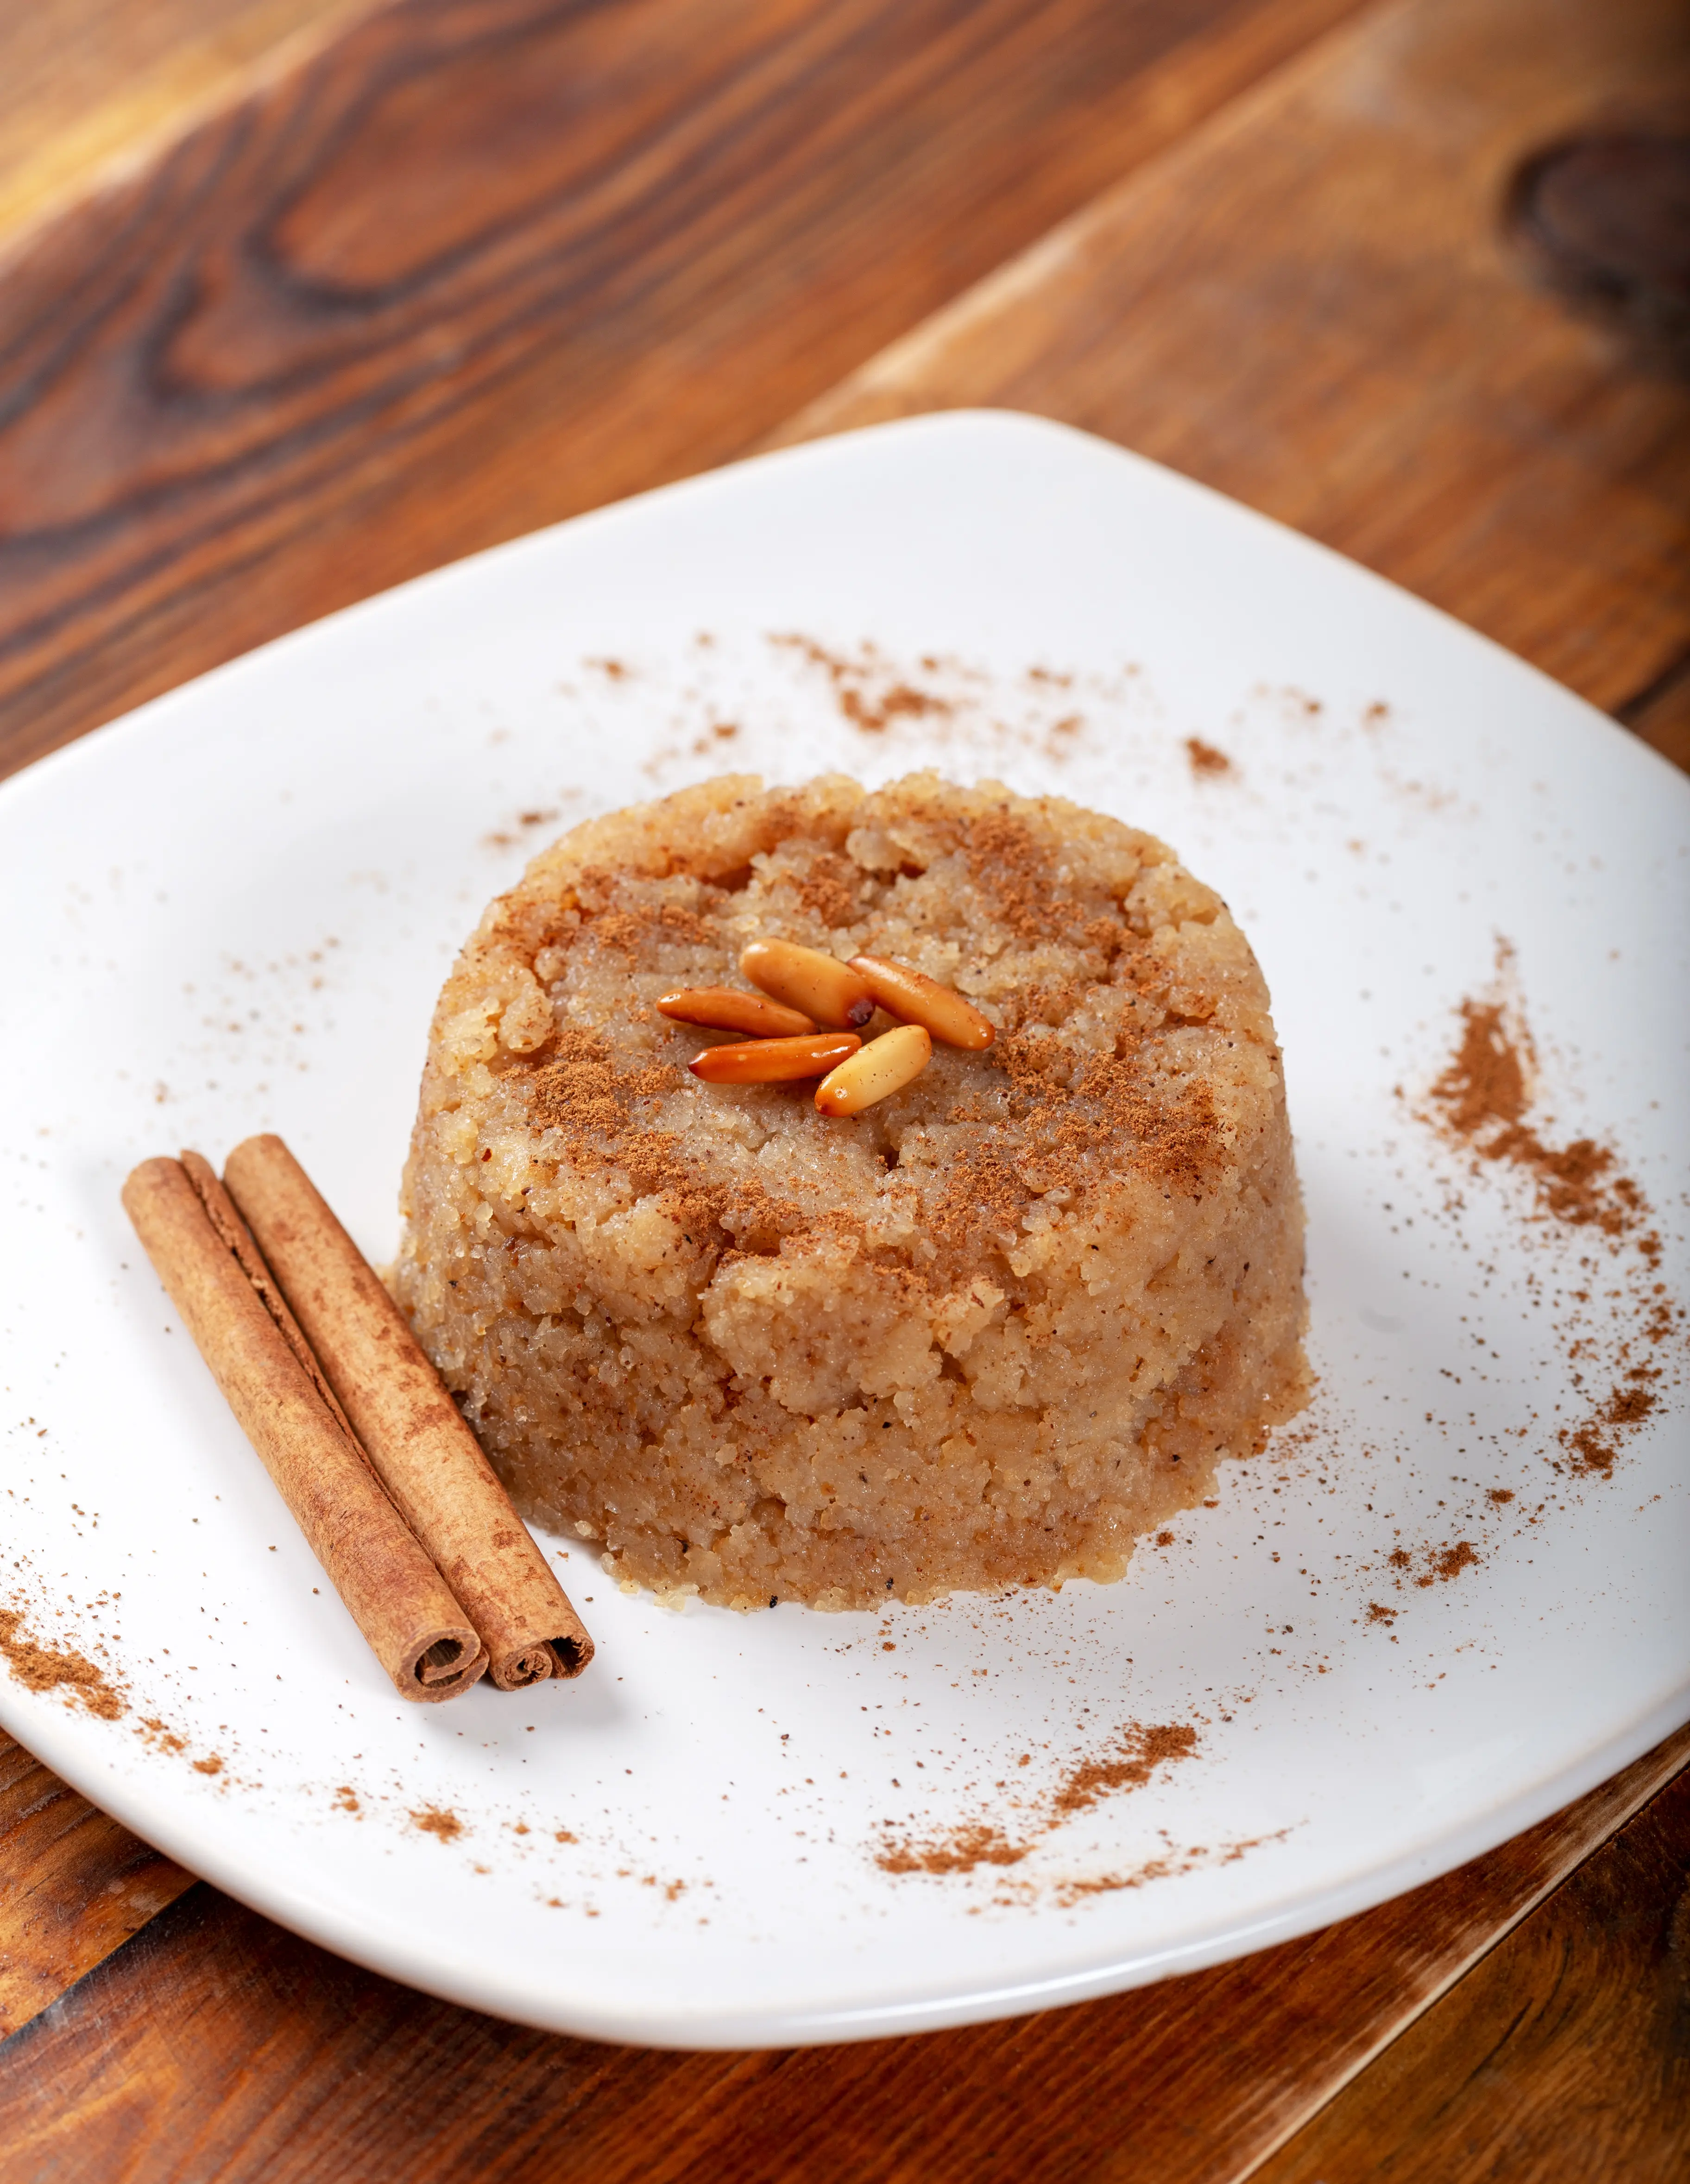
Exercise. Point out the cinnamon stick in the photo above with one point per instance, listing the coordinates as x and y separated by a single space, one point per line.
428 1459
214 1275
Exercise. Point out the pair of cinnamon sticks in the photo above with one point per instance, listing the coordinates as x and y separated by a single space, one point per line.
384 1479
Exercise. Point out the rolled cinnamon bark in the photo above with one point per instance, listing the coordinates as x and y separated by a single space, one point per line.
394 1593
428 1459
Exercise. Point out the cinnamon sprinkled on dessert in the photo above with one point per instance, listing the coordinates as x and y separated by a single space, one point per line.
830 889
577 1091
751 1351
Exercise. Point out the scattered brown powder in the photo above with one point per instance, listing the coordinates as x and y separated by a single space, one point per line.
1447 1563
1481 1103
577 1091
635 928
1437 1566
1484 1094
900 700
1143 1752
214 1765
1484 1083
869 693
828 890
1594 1445
40 1668
1012 868
1206 758
1077 1116
1138 1751
1168 1866
435 1820
975 1843
1107 1116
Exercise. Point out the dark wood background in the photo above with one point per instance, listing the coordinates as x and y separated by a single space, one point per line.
298 297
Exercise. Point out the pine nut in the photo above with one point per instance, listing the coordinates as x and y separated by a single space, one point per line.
723 1009
882 1067
914 998
804 978
775 1060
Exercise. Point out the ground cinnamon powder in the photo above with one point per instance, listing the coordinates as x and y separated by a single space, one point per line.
1139 1749
1206 758
41 1668
1483 1096
1143 1750
863 688
1481 1102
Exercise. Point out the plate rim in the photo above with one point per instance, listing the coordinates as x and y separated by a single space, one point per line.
54 1734
170 1831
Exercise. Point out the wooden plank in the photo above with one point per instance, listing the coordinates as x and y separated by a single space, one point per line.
454 467
1308 303
1560 2059
482 263
74 1886
1660 715
216 2045
85 84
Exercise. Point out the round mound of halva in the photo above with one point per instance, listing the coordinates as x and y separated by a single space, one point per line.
986 1334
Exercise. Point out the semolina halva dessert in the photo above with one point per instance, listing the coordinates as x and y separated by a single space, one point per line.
995 1312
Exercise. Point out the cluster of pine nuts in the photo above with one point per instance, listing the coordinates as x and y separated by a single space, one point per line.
805 1020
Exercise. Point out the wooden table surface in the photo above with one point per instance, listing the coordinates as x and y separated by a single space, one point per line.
298 297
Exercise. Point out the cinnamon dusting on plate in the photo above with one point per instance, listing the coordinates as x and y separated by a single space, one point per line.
1206 758
1138 1750
1614 1339
41 1668
1167 1865
870 694
1482 1097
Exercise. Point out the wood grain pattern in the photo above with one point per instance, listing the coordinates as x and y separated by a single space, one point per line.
1562 2059
482 263
85 84
74 1886
1308 303
145 2072
1660 713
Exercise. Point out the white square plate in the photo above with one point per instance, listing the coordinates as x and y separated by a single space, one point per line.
230 913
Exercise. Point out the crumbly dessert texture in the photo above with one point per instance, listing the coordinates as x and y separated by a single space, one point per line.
986 1334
